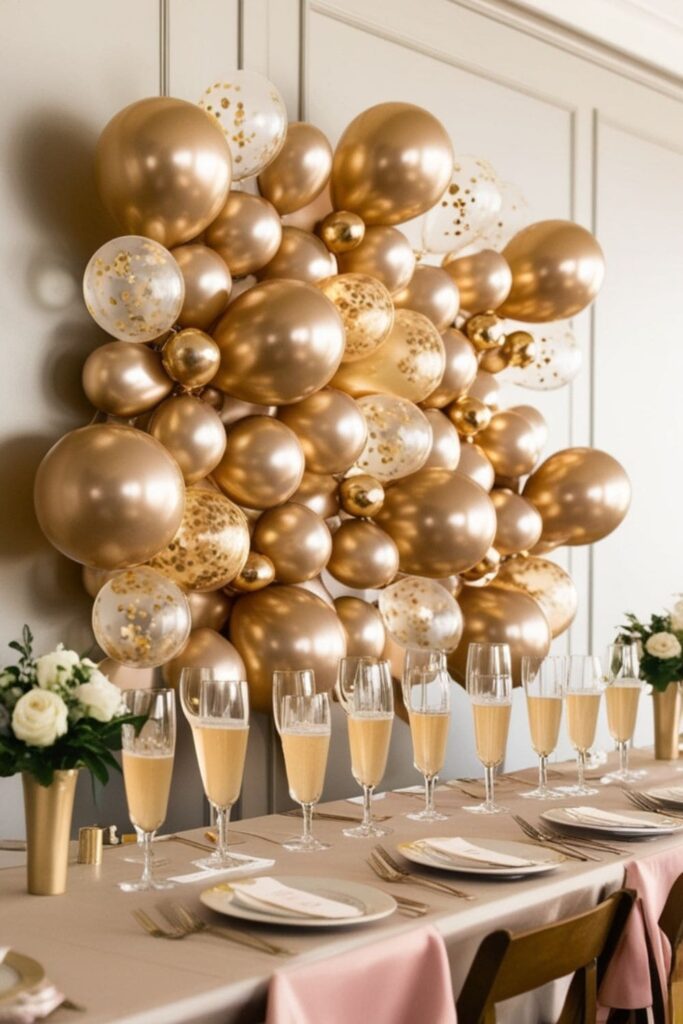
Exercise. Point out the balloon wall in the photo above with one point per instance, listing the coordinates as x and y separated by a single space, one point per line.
298 447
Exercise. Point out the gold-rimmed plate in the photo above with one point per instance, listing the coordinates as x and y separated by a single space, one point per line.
18 973
541 861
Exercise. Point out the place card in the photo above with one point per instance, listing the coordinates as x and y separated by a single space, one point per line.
250 866
597 816
463 849
271 892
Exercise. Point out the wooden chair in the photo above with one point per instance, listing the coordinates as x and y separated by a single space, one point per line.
671 923
508 965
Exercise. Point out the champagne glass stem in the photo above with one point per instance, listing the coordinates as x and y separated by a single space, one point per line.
430 783
581 767
222 819
488 786
623 757
367 806
146 839
307 834
543 773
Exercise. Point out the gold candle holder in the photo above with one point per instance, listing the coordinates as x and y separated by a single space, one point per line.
90 841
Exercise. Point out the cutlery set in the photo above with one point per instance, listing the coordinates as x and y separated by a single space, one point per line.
182 922
575 847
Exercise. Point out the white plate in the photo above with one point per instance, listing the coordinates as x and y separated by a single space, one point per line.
548 860
660 793
18 973
559 816
373 902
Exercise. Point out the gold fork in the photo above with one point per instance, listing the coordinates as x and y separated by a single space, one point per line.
185 919
393 872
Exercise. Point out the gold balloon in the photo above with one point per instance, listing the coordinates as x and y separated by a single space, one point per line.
366 309
257 572
486 331
582 494
94 579
300 171
191 358
557 270
549 585
126 678
279 342
441 521
495 615
211 545
363 555
233 410
341 231
207 285
537 421
295 539
459 371
486 388
246 234
319 492
163 169
361 495
409 364
474 464
209 609
519 523
469 416
206 648
494 361
392 163
484 279
445 453
485 571
384 253
286 628
263 463
331 429
365 633
214 398
432 292
520 348
193 433
301 257
510 443
309 216
109 496
125 379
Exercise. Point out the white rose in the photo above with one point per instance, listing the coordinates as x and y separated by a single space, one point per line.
663 645
53 668
677 616
39 718
100 698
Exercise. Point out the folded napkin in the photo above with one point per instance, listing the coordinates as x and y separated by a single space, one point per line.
671 793
271 893
464 850
596 816
247 866
33 1004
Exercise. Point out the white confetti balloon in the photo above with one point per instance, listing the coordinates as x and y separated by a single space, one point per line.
513 215
399 437
467 209
557 358
419 612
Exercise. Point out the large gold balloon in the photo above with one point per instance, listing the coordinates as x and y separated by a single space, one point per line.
109 496
295 539
474 464
469 416
557 270
365 633
399 437
441 521
125 379
384 253
510 443
257 572
361 495
246 234
409 364
366 308
392 163
459 371
484 279
206 648
300 171
432 292
331 429
209 609
319 492
193 433
484 572
286 628
363 555
211 545
207 285
341 231
486 388
519 523
300 257
263 463
537 421
191 358
549 585
163 169
279 342
445 453
582 494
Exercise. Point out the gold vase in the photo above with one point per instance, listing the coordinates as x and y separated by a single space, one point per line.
667 709
48 830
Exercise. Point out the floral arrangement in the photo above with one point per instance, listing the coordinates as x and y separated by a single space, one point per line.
661 641
58 711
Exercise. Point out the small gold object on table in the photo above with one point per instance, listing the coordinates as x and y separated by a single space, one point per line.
667 712
48 828
90 841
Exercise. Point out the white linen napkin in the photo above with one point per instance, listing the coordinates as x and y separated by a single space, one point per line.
462 849
596 816
249 866
33 1004
671 793
270 892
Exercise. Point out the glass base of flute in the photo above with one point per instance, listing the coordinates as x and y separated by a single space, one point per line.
368 828
623 773
221 857
580 788
148 881
543 791
488 806
306 842
429 812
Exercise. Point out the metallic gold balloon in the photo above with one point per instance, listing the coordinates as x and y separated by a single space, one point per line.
286 628
211 545
510 443
295 539
392 163
279 342
207 285
300 171
582 494
263 463
384 253
94 579
445 453
363 555
341 231
442 522
484 572
209 609
233 410
361 495
421 613
309 216
162 169
519 523
257 572
459 371
192 432
557 270
433 293
191 358
365 633
317 587
520 348
495 360
484 279
474 464
495 615
399 437
549 585
319 492
125 379
246 233
486 331
206 649
331 429
469 416
300 257
214 398
126 678
366 309
109 496
537 421
486 388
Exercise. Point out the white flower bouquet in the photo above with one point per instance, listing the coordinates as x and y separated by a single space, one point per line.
661 640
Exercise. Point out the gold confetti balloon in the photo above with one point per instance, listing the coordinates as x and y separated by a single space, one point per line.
207 285
548 583
468 206
419 612
300 171
341 231
246 234
366 309
399 437
553 359
141 618
133 288
460 370
433 293
384 253
191 358
363 625
361 496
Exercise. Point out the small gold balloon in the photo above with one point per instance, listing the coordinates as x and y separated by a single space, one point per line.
263 462
537 421
209 609
485 571
363 556
486 388
486 331
258 572
484 279
433 293
365 632
300 171
192 432
206 648
361 495
207 285
341 231
125 379
295 539
301 256
519 523
459 372
384 253
469 415
474 464
331 429
510 443
246 233
520 348
366 309
445 453
495 360
191 358
319 492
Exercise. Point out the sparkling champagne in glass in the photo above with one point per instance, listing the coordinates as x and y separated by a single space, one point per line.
305 728
545 681
489 684
427 697
584 690
622 694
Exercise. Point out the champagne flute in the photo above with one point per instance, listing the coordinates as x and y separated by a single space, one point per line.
294 682
304 725
584 689
489 684
544 681
421 659
622 694
427 697
128 698
147 761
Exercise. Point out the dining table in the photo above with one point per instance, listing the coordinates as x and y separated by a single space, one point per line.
94 950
